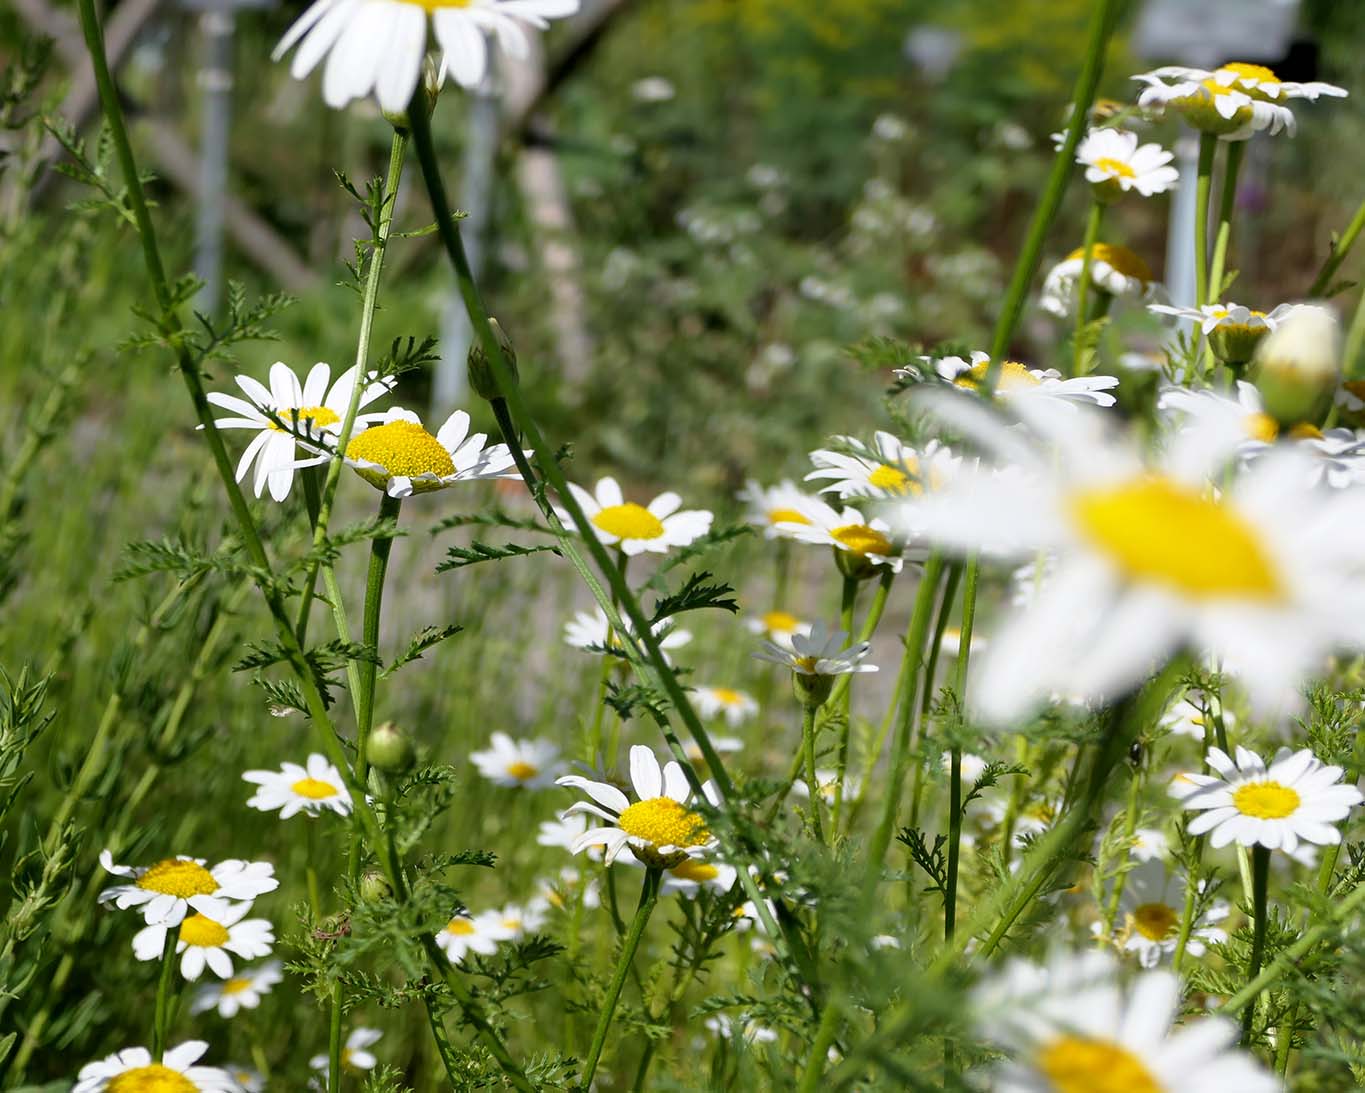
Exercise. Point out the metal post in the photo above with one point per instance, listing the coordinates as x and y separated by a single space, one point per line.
215 80
1180 226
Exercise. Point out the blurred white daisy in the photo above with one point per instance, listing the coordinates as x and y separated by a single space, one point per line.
1069 1025
238 992
570 885
748 1029
378 46
524 919
1115 163
209 942
658 827
1020 381
132 1070
401 458
1148 844
310 408
166 891
735 706
887 468
972 766
692 875
778 627
823 652
1295 798
1234 101
355 1055
479 933
1151 905
637 529
769 507
1189 716
292 789
723 745
828 781
530 764
248 1079
591 632
562 830
1114 270
865 541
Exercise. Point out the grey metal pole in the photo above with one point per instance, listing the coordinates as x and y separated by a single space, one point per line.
215 79
1180 226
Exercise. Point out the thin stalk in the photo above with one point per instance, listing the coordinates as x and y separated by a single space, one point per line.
1355 338
954 842
1092 235
927 692
1130 810
165 992
812 780
1340 249
380 549
334 1042
844 705
1260 878
825 1033
1203 186
649 895
1227 206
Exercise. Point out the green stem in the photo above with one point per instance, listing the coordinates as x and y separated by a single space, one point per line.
1260 878
1355 338
649 895
927 692
843 707
334 1042
812 780
954 842
1227 206
1130 813
1208 148
1340 249
1092 235
825 1033
165 993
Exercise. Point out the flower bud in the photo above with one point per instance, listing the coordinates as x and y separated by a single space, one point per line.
375 886
389 749
482 379
811 691
427 92
1298 365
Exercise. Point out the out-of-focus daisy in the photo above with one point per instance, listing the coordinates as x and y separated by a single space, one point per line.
1296 798
1069 1025
378 46
401 458
778 627
658 827
864 542
562 831
1115 163
355 1055
973 766
652 89
531 764
166 891
722 744
637 529
1150 558
523 919
292 789
771 507
1020 381
1234 101
828 781
479 933
887 468
1151 905
1149 844
951 645
823 652
1114 270
1189 716
591 632
570 885
248 1079
1233 331
735 706
1340 459
320 412
241 991
691 876
209 942
748 1029
132 1070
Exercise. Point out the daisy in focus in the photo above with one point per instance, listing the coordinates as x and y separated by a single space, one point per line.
861 545
311 789
637 529
1116 163
772 506
735 706
530 764
1070 1026
1115 272
311 408
480 934
658 827
1234 102
1017 381
887 468
1295 798
209 942
401 458
242 991
133 1070
356 1055
1151 905
778 627
1233 331
1149 559
591 632
378 46
168 890
823 652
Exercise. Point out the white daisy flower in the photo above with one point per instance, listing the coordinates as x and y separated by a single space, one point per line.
1032 819
747 1029
1115 163
480 934
771 507
591 632
735 706
973 766
524 919
828 781
1018 381
824 652
356 1055
561 891
209 942
248 1079
637 529
1149 844
401 458
1150 559
889 468
1234 331
778 627
689 877
951 645
531 764
1189 717
723 745
658 827
1296 798
1151 904
292 789
1234 101
1113 269
168 890
866 542
241 991
1340 461
562 831
133 1069
1069 1025
320 412
378 46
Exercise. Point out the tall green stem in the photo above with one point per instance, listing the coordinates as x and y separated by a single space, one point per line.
1092 235
1227 207
1340 249
380 549
843 706
165 993
334 1041
1260 877
812 779
1208 148
964 654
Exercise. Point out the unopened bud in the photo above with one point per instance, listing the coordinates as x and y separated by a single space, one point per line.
482 379
1298 365
375 886
389 749
812 691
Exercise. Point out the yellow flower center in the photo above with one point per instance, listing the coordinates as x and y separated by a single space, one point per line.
780 622
318 415
202 932
176 877
314 789
786 516
1259 73
236 986
1266 800
402 448
1075 1064
629 521
1120 258
1115 167
151 1079
522 771
460 927
694 870
1158 530
1155 921
433 6
1261 427
727 697
862 540
806 664
1013 376
1305 431
662 821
